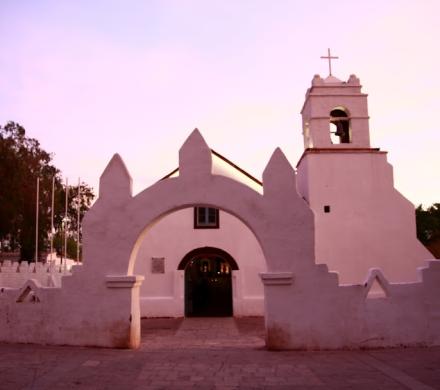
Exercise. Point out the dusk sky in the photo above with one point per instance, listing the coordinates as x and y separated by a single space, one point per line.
92 78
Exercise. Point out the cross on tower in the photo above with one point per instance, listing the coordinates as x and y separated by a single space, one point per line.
329 58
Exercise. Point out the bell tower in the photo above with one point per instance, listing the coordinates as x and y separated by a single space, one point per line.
361 220
335 114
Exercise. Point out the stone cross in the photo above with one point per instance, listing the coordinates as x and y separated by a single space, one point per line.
329 58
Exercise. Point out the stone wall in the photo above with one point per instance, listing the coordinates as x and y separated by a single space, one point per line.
15 274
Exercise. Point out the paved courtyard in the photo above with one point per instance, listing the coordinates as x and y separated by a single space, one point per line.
213 353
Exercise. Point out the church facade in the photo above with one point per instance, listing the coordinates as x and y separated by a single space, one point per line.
205 261
326 252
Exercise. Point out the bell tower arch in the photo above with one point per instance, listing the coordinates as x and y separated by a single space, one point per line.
335 114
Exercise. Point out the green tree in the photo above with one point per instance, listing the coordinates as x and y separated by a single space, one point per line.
22 161
70 228
428 227
72 245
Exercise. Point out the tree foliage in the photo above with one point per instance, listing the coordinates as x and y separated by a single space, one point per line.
428 227
22 161
70 225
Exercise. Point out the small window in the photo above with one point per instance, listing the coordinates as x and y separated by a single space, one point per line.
326 209
206 218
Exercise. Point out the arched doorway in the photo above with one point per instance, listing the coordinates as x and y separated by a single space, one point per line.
208 282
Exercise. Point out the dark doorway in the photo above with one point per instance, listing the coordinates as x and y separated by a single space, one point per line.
208 283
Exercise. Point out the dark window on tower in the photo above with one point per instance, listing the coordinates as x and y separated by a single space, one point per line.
206 218
339 127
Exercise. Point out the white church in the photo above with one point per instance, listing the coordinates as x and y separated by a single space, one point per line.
202 261
326 252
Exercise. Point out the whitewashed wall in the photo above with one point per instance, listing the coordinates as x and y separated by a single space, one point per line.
370 224
315 312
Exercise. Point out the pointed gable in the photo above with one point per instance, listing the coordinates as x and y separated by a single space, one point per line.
195 156
115 182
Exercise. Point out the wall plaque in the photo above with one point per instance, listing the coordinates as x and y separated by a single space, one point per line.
158 265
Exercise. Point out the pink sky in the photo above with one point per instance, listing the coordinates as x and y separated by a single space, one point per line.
89 79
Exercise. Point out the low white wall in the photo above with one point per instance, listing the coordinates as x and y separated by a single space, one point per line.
88 310
15 274
313 312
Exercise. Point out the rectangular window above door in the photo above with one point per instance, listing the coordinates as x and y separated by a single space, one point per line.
206 218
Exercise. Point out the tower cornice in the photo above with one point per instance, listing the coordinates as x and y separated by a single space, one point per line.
339 149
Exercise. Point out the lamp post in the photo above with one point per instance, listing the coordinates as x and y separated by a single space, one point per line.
65 222
36 221
52 229
78 220
65 225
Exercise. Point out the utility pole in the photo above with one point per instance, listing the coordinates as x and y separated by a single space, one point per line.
36 221
51 219
77 222
65 224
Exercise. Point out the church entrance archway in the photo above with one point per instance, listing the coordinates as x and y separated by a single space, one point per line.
114 229
208 282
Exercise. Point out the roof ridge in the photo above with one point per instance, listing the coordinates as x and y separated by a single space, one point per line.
241 170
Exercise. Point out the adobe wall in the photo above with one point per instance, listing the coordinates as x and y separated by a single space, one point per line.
78 313
314 312
162 295
15 274
370 224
